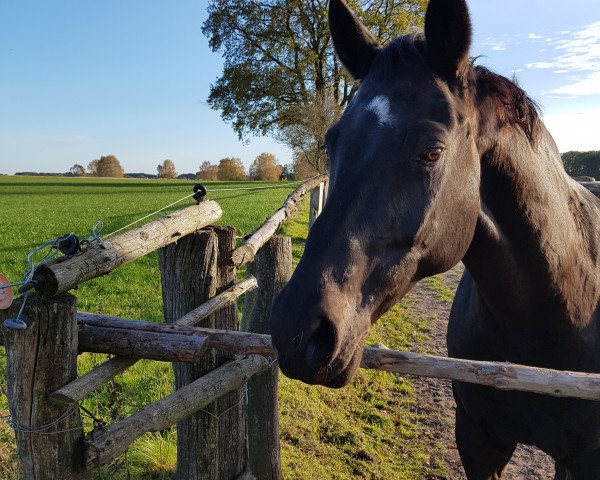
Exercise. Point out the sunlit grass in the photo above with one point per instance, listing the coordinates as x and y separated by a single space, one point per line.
154 452
439 288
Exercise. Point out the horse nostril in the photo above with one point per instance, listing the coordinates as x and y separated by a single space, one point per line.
321 345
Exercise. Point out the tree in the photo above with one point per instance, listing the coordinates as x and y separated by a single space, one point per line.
208 171
108 166
305 131
578 164
93 168
77 170
279 62
288 172
303 169
231 169
265 167
167 170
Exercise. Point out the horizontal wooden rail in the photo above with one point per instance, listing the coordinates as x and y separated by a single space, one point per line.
102 257
246 252
503 376
154 346
104 444
90 381
136 331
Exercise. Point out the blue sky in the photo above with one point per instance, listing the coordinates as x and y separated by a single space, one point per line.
82 78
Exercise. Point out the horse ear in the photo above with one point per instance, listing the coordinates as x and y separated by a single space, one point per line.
448 37
354 44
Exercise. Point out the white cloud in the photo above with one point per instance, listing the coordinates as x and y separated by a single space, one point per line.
542 65
579 52
589 85
499 44
575 130
534 36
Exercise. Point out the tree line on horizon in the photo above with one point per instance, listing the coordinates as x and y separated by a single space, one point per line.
582 164
265 167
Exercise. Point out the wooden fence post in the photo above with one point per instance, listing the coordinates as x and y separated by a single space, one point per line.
188 275
210 444
317 199
272 269
231 407
41 359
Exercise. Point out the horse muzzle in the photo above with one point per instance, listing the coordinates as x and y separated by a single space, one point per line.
314 347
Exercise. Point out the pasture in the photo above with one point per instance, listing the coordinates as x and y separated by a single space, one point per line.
368 430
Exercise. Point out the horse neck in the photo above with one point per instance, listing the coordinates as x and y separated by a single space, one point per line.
534 253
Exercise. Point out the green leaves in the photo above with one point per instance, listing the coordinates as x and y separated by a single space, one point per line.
279 58
582 164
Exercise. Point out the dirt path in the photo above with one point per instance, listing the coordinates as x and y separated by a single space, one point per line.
435 402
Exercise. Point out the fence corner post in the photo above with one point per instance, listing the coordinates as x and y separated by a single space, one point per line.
40 360
272 269
317 200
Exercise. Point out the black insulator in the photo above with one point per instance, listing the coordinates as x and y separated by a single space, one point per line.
37 282
199 192
26 287
68 244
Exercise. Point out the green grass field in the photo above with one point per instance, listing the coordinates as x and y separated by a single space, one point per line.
368 430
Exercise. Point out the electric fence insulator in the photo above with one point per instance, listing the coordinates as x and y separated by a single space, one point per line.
199 192
68 244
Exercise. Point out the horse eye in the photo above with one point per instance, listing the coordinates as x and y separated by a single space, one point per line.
432 154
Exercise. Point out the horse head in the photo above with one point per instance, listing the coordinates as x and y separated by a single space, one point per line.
404 191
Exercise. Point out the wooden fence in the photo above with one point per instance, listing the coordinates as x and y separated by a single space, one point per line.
225 402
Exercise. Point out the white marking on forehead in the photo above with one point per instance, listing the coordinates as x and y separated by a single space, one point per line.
380 106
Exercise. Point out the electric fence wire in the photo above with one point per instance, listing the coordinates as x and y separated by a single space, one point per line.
96 235
191 195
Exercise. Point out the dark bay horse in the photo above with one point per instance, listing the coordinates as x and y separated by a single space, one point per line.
433 162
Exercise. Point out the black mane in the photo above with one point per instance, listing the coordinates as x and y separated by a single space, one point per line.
513 105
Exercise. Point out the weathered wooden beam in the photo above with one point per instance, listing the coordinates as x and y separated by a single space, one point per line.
503 376
246 252
39 360
228 341
90 381
102 257
104 444
76 390
273 269
153 346
227 298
